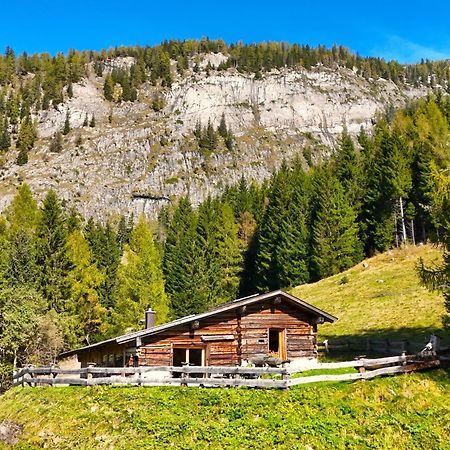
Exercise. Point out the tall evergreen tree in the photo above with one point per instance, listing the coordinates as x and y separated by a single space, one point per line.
334 240
85 277
52 259
183 268
66 128
141 283
106 252
282 246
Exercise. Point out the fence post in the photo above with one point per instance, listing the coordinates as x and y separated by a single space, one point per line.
88 373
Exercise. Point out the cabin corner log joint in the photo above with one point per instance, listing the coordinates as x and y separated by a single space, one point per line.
261 329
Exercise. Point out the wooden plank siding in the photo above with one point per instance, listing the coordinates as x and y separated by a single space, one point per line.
249 329
250 333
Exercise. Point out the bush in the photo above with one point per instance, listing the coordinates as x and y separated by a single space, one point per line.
6 373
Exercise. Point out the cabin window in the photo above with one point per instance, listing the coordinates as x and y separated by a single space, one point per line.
191 356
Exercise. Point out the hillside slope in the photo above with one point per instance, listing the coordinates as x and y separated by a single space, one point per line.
380 296
137 159
403 412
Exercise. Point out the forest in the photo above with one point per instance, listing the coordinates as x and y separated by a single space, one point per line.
30 84
66 281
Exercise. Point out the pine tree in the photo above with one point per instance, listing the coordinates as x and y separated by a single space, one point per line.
229 254
183 268
106 252
334 241
347 169
70 90
53 262
140 281
56 144
282 241
5 138
25 139
92 122
86 121
23 211
66 128
22 268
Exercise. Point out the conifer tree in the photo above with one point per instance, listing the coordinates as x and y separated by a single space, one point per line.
52 259
106 252
334 241
66 128
85 277
229 254
5 138
23 211
140 281
25 139
108 87
56 144
92 122
347 169
183 268
282 241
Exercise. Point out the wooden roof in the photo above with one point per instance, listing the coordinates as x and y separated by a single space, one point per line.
234 304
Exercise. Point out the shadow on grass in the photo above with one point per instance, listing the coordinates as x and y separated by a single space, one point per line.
380 343
417 334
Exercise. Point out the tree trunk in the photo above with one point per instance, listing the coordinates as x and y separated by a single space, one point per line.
402 218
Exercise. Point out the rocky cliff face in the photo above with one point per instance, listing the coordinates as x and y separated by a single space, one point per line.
135 159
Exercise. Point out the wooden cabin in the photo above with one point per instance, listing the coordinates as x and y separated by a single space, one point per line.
247 330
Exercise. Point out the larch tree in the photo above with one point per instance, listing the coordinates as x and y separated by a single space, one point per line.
85 278
140 281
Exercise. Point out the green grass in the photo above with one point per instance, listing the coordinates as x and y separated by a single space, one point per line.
403 412
383 299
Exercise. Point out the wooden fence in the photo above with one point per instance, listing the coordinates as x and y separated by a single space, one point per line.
216 376
371 346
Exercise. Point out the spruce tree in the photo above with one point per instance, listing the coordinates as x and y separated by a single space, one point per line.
282 241
56 144
108 88
334 241
183 268
66 128
52 259
106 252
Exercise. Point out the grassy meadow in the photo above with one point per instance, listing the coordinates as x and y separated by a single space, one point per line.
381 297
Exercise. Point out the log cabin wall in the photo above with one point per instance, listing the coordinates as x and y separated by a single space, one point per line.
248 330
300 332
110 355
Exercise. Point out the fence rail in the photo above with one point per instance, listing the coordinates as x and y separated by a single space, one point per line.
217 376
375 345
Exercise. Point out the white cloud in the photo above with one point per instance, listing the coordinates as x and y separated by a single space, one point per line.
407 51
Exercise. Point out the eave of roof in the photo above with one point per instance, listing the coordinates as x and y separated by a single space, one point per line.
219 309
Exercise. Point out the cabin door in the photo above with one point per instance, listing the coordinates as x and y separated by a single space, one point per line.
277 342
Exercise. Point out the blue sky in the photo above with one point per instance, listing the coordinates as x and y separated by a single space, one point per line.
398 29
